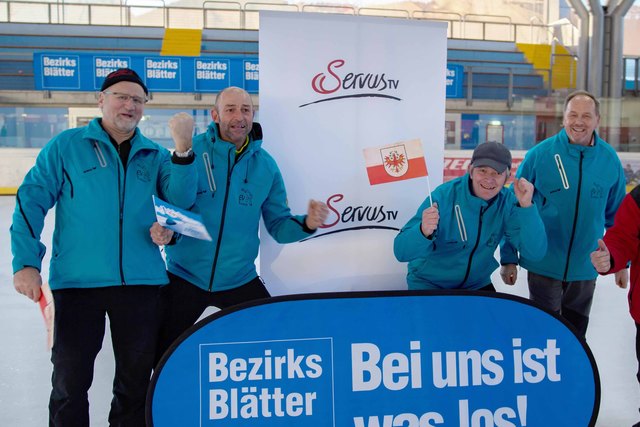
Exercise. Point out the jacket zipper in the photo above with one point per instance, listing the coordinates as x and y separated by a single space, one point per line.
223 216
466 275
230 168
121 219
575 218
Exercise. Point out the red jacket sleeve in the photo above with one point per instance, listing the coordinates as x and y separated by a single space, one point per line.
623 239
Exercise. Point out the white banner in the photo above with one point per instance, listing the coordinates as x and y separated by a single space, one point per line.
351 107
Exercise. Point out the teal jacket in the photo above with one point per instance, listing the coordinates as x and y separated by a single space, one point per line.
460 253
578 191
232 196
103 213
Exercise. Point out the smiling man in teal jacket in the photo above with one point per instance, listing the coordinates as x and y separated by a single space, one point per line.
238 183
100 178
450 242
579 184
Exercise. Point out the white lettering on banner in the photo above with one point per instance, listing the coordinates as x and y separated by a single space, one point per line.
211 65
396 372
161 69
58 72
250 66
210 75
161 74
406 419
290 366
254 402
480 417
484 369
483 417
276 381
104 72
59 62
533 359
251 75
163 64
113 63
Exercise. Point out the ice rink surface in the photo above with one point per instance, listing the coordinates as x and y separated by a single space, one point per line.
25 369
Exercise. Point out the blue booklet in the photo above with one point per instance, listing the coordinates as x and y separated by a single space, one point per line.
179 220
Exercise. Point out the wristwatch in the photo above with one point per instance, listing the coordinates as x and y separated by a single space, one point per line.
183 154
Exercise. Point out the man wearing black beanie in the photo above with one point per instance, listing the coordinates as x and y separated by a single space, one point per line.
101 178
123 75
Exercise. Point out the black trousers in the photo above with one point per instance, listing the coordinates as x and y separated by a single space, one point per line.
571 300
79 327
183 303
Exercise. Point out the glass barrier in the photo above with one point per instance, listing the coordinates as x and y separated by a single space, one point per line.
520 129
33 127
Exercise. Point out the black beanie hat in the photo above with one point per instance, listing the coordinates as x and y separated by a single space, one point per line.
123 75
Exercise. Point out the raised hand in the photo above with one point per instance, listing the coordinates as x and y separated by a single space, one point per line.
181 127
524 192
430 219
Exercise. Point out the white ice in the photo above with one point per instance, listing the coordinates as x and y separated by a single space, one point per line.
25 369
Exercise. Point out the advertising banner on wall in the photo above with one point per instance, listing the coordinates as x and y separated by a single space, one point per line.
455 77
387 359
86 71
353 111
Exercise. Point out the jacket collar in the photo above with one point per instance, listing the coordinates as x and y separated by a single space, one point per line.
574 149
95 131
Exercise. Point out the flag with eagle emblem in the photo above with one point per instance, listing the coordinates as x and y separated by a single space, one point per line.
395 162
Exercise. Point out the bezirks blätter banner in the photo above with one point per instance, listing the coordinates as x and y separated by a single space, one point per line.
411 359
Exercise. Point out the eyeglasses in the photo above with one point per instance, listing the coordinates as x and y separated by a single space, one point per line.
125 97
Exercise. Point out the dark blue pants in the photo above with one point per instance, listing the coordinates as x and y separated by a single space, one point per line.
184 302
79 327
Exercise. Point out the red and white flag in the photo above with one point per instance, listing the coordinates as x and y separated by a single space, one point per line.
395 162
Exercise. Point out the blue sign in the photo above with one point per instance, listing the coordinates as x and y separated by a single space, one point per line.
251 75
163 74
105 64
455 75
86 72
212 75
466 359
60 70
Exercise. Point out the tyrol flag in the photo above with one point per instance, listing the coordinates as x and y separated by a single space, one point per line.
395 162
